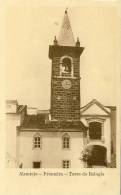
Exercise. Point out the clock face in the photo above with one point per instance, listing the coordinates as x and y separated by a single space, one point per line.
66 84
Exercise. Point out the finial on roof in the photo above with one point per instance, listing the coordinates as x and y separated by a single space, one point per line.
66 10
78 42
55 41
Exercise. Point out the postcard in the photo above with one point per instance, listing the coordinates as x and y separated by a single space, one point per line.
61 86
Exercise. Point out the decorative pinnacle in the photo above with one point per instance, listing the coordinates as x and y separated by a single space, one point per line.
55 40
66 10
77 39
78 42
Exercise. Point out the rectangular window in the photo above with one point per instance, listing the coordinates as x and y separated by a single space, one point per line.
36 165
95 130
66 164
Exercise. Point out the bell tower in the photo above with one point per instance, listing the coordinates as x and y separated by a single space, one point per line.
65 79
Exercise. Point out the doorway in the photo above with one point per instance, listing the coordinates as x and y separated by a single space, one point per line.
98 156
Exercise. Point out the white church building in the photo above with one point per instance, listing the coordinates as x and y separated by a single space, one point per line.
67 135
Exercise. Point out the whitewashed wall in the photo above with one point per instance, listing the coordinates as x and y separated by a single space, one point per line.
52 154
12 121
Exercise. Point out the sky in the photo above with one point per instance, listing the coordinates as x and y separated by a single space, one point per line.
30 29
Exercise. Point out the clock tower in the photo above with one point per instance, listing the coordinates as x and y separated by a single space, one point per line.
65 79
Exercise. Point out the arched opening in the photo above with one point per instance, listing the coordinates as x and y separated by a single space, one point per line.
66 67
37 141
97 156
66 141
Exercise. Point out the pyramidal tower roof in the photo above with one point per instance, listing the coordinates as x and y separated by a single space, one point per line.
66 37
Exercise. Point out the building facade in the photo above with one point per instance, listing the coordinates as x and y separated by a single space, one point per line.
66 136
